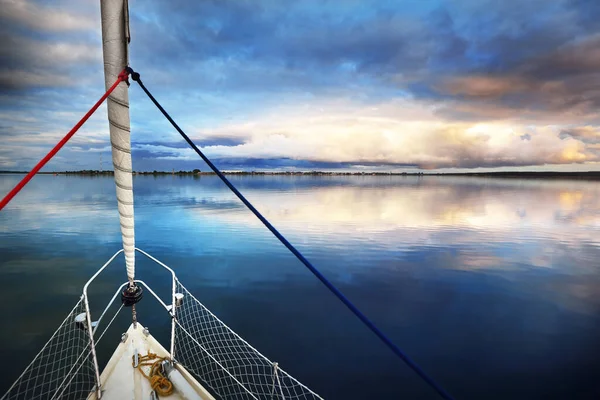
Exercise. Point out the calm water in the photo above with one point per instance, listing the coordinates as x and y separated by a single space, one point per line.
491 285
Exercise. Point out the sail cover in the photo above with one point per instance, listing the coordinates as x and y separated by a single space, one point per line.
115 34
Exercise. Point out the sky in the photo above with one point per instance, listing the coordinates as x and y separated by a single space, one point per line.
359 85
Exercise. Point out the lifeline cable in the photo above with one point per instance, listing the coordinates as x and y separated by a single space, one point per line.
136 77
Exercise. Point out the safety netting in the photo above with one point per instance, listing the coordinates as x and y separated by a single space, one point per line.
225 362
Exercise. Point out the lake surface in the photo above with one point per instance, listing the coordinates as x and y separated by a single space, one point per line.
491 285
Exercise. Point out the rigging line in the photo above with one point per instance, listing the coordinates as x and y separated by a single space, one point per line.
121 78
136 77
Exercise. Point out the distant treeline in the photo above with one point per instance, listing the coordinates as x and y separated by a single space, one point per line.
587 175
198 172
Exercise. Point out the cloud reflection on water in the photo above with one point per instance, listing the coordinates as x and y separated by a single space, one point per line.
493 275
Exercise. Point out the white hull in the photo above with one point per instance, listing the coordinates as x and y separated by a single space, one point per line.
121 381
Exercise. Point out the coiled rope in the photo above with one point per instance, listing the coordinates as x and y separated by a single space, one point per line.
158 381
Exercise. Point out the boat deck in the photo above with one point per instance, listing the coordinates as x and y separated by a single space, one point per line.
120 380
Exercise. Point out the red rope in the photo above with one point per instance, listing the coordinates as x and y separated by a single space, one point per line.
122 77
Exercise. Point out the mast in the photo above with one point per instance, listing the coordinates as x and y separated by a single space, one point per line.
115 41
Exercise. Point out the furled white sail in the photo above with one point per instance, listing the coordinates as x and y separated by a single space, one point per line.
115 41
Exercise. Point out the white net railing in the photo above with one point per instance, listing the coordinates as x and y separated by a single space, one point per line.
63 369
225 362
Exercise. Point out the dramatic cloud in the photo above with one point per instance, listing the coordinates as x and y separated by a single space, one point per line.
565 80
313 84
43 45
400 132
43 17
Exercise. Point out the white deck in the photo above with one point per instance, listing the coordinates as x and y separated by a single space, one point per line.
120 381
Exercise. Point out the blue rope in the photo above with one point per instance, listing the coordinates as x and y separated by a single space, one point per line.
136 77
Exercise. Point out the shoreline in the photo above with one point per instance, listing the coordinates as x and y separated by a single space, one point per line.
588 175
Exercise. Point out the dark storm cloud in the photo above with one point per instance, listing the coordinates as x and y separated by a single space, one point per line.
146 154
307 45
546 62
174 145
240 44
376 38
587 134
220 141
212 141
44 46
